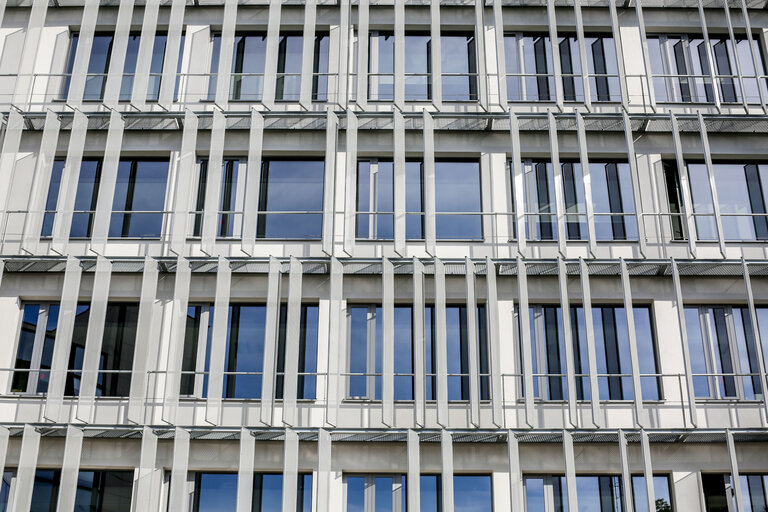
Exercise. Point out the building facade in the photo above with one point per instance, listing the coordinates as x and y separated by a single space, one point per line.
377 255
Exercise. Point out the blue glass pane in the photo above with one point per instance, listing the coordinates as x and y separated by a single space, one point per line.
472 493
430 493
356 494
358 351
5 490
45 493
383 499
216 491
85 198
244 351
403 353
534 495
291 186
457 189
52 198
140 187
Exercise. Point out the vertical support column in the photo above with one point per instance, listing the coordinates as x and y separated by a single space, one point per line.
570 470
680 306
399 181
429 175
350 220
292 335
712 184
755 53
755 331
213 183
419 345
13 129
172 53
399 93
32 37
525 341
684 186
440 343
93 339
245 471
552 22
253 182
494 343
63 342
290 470
414 471
70 469
474 358
518 185
619 54
727 10
178 499
482 75
570 367
114 80
308 53
336 337
144 340
25 473
218 342
147 471
632 159
446 455
224 73
388 343
736 480
79 74
646 56
516 489
582 53
626 476
554 149
594 387
437 67
70 174
270 59
324 458
710 55
270 341
650 492
640 413
345 12
185 173
144 57
41 180
362 54
329 181
501 60
584 160
109 168
176 339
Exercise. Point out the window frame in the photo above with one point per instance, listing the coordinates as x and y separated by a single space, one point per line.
33 373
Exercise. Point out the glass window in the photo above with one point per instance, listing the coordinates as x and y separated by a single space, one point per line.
603 68
86 197
291 199
364 324
724 352
215 491
196 338
248 67
529 67
5 490
459 67
375 200
613 201
231 199
539 488
754 491
117 348
307 369
213 72
661 489
244 351
675 201
458 202
718 492
45 493
742 196
539 193
681 69
472 493
67 78
417 67
104 491
289 53
320 67
129 67
599 493
381 66
156 66
51 200
34 354
98 66
375 493
612 351
139 200
431 493
458 353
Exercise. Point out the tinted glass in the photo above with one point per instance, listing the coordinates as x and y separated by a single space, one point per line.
85 198
117 348
215 491
51 200
245 351
140 187
45 493
293 187
472 493
104 491
457 189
